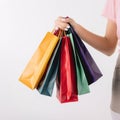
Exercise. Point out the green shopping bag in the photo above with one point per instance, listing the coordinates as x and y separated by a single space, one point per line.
82 84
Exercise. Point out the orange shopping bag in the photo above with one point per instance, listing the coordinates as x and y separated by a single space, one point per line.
37 65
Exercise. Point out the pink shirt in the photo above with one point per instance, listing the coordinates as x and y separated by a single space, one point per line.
112 11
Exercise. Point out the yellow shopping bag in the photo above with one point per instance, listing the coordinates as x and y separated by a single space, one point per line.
37 65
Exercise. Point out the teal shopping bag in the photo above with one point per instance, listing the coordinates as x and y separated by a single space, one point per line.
46 86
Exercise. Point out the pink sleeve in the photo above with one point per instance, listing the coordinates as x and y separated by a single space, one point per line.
109 10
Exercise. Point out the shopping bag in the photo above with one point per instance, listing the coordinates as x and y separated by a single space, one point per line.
36 67
46 85
91 69
82 84
66 82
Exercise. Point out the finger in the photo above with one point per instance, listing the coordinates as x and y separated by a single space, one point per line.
61 25
61 19
64 26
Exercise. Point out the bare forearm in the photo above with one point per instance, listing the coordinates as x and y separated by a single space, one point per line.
98 42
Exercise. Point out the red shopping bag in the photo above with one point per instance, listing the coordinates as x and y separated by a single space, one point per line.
66 82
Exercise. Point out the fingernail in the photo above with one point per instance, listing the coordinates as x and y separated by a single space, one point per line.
56 28
68 27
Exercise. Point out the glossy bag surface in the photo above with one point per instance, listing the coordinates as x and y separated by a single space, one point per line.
36 66
66 83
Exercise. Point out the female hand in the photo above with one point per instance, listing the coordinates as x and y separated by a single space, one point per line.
63 23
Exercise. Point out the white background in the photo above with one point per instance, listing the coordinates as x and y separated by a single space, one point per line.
23 24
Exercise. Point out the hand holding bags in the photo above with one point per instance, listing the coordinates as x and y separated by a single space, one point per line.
36 67
64 60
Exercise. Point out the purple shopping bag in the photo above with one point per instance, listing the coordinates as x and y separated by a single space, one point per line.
91 69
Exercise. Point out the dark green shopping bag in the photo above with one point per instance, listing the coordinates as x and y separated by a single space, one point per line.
47 84
82 84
